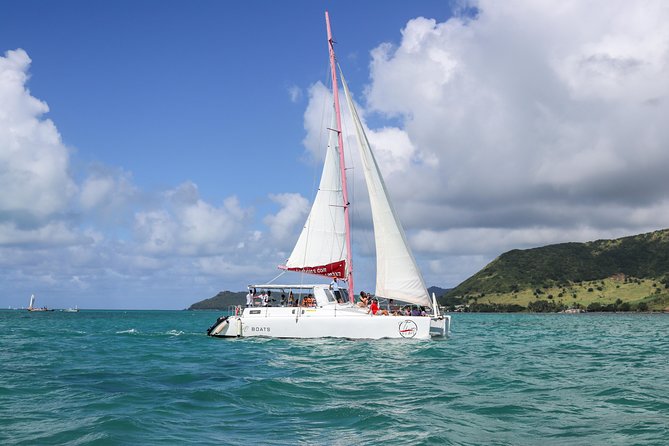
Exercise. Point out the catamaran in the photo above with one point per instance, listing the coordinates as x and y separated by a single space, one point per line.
324 249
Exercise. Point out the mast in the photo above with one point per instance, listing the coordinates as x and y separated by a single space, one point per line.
342 165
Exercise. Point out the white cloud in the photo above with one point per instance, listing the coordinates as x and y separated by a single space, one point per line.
529 124
96 190
295 93
284 224
51 234
224 267
315 114
187 225
393 147
65 239
106 189
34 177
108 196
528 104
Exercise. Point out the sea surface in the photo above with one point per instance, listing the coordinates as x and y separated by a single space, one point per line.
153 377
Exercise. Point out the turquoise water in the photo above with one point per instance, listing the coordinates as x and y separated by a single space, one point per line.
153 377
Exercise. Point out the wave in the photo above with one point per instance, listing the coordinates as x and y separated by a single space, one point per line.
130 331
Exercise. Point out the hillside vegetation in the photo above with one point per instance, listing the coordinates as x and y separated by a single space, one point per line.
633 270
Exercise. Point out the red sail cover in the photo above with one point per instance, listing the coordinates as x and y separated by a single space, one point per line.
336 269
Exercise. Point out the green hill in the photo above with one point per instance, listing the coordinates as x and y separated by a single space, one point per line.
632 269
221 301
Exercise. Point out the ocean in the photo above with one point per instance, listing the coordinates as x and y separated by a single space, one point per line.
153 377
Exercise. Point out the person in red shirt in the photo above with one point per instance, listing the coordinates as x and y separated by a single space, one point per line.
374 307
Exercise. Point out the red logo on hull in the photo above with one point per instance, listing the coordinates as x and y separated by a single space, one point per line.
408 329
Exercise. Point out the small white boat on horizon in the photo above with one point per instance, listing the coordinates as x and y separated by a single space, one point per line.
324 249
72 310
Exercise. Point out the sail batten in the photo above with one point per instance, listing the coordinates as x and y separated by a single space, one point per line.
397 274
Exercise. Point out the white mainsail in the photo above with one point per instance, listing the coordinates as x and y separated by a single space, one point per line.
321 248
397 274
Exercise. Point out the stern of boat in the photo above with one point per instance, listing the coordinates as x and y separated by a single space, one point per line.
440 326
225 326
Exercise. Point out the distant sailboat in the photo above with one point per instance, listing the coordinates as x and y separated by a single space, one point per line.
324 249
32 307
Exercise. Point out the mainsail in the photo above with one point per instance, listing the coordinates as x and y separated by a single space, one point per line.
397 274
321 248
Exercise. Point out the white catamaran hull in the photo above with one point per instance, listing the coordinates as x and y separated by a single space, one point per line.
278 322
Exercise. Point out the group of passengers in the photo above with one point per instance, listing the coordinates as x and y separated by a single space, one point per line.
371 303
367 301
264 299
260 299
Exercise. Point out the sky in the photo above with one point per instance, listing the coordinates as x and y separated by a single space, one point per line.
154 153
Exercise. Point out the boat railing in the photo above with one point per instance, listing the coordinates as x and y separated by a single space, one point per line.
235 310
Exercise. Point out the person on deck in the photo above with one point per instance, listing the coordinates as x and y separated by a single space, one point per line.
249 299
363 300
373 308
306 300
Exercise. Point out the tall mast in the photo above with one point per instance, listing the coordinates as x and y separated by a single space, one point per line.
342 165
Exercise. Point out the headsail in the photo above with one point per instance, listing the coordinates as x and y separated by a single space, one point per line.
397 274
321 248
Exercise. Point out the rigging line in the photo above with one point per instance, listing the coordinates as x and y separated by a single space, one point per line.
280 274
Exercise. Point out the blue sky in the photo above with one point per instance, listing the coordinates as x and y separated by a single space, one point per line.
184 133
158 87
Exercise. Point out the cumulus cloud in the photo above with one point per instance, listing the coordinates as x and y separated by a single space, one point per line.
34 177
66 237
523 125
283 225
51 234
187 225
108 196
394 149
526 103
